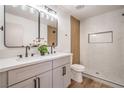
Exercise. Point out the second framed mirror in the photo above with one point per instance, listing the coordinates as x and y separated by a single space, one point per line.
48 29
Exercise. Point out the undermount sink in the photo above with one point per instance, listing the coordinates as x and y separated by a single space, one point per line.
27 58
39 57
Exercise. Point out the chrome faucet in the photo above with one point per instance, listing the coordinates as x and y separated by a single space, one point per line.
26 51
52 49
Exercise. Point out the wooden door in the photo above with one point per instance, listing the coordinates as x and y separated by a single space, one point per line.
75 40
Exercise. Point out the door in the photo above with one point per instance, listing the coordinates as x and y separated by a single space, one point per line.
75 40
45 80
30 83
67 76
58 77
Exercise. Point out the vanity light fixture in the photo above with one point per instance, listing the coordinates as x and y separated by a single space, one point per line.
46 10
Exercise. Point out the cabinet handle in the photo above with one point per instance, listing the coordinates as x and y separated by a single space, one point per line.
38 82
35 83
64 71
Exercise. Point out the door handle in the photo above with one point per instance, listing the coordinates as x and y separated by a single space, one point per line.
38 82
35 83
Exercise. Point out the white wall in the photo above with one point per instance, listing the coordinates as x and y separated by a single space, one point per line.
63 40
106 58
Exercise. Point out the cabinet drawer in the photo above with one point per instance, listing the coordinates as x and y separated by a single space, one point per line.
61 61
17 75
25 84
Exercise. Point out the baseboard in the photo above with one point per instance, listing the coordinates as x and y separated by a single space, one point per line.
112 84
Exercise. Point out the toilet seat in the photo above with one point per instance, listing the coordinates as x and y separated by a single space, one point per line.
78 67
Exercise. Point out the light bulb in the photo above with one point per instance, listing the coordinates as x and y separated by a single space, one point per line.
52 18
47 17
42 14
94 35
23 7
14 5
32 10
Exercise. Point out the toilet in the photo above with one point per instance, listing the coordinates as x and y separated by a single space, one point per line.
76 72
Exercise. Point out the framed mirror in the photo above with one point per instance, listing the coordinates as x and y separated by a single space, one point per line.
21 25
48 30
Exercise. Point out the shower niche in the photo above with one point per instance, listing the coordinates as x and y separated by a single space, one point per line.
101 37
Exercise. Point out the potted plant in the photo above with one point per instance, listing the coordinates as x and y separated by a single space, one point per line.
43 49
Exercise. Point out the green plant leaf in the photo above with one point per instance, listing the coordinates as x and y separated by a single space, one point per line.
43 49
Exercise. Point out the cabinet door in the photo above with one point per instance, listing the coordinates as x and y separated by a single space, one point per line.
58 77
3 79
67 76
30 83
45 80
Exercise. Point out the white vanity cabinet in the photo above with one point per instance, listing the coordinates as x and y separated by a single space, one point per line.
3 79
61 72
51 73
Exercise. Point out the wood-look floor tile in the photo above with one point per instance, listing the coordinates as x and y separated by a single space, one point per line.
88 83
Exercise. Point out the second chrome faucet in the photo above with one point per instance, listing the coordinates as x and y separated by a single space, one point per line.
26 50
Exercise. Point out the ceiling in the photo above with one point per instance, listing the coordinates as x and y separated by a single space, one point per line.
86 10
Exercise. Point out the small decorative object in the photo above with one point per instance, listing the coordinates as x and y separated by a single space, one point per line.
43 49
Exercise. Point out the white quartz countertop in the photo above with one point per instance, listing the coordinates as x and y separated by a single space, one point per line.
7 64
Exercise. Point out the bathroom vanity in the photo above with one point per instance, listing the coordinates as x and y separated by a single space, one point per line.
50 71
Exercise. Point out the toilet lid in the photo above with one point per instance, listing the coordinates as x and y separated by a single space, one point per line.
77 67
